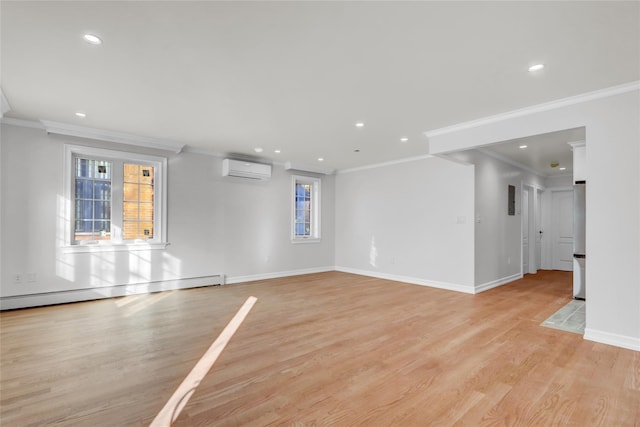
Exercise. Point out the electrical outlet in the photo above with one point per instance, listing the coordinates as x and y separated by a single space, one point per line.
17 278
508 260
32 277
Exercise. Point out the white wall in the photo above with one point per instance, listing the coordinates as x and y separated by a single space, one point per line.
401 221
498 236
216 225
563 181
612 121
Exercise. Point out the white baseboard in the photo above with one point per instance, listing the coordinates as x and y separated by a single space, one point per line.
76 295
276 275
498 282
609 338
406 279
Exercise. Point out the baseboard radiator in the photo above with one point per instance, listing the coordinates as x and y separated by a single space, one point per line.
77 295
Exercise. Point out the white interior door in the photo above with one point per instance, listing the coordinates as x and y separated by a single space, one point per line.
538 234
562 230
525 230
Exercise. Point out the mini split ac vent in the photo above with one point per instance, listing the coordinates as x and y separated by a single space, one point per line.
244 169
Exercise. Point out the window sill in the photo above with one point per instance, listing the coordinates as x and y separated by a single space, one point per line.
114 247
309 240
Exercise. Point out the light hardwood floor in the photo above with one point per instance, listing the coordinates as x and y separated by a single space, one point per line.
322 349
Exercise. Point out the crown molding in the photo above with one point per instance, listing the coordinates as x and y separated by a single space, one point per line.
22 123
552 105
194 150
308 168
381 165
107 135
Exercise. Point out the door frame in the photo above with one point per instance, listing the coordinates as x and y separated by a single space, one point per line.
534 192
547 256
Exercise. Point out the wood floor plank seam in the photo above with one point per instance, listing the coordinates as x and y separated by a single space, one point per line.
321 349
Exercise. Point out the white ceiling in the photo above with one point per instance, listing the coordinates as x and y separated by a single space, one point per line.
296 76
540 152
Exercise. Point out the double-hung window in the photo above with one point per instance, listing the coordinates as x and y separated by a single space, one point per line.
305 209
115 199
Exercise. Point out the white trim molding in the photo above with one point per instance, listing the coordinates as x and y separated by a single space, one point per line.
21 123
291 166
552 105
406 279
102 292
159 240
111 136
609 338
389 163
498 282
276 275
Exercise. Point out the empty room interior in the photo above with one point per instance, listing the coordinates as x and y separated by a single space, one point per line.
319 213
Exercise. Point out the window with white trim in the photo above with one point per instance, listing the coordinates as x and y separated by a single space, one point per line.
115 198
305 209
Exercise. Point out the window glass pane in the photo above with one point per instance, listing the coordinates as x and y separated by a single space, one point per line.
84 189
130 230
84 226
146 230
84 209
299 229
101 230
82 168
102 209
130 191
131 173
131 211
102 190
146 193
138 205
92 199
145 211
146 175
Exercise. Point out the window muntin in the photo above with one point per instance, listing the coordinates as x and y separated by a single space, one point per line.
92 204
302 227
137 213
305 209
114 198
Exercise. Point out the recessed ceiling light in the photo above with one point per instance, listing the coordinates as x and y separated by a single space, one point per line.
536 67
276 151
523 147
81 114
359 124
258 150
320 159
404 139
563 169
93 39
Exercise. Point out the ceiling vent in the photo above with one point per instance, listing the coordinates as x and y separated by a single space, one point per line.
244 169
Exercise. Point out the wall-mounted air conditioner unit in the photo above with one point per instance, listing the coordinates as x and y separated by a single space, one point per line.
245 169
